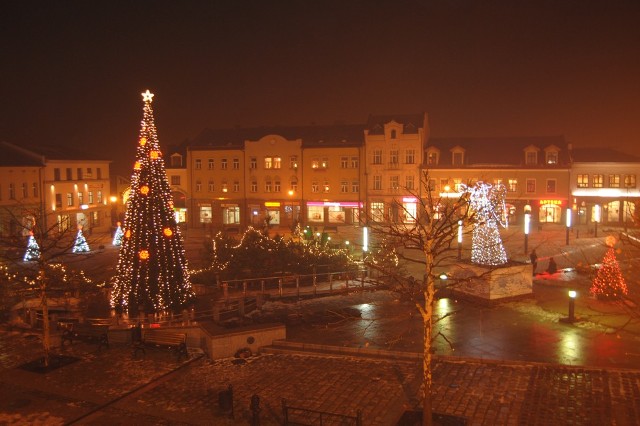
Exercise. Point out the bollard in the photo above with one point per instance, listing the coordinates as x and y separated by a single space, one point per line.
262 286
298 286
244 288
255 410
280 287
225 290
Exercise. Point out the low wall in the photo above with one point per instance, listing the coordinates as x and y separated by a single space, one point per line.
224 343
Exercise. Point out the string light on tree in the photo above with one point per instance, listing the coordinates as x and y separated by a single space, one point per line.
488 202
609 284
81 245
152 268
33 249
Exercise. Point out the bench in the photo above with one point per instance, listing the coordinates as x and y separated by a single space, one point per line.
86 332
158 338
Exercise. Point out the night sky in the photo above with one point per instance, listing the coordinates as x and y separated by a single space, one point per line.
72 72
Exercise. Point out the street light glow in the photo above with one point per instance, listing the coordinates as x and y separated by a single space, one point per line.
573 294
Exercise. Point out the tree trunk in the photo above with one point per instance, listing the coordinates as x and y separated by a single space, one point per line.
427 315
46 330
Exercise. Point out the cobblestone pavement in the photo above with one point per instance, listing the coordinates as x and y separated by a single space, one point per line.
115 389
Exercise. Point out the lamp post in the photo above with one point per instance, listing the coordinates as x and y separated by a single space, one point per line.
292 218
527 227
459 240
365 241
568 225
596 218
572 305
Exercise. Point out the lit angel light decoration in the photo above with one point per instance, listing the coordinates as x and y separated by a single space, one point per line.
488 201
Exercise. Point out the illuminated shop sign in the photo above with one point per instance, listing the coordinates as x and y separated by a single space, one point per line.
409 200
334 204
554 202
272 204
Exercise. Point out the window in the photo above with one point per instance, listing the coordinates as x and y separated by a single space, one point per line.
277 162
12 192
344 162
69 173
410 156
614 181
393 134
236 164
531 158
80 198
211 186
89 172
175 180
344 186
205 214
629 181
176 161
355 162
409 182
58 201
276 185
377 211
90 197
198 164
236 186
211 164
25 190
198 186
513 185
325 186
223 164
393 157
377 182
99 173
377 156
225 188
294 185
79 171
394 184
552 157
531 185
69 199
253 163
231 215
551 186
355 186
267 185
432 158
254 186
583 181
293 162
432 184
444 184
457 183
56 174
34 188
268 162
598 181
99 197
325 163
314 186
315 163
457 159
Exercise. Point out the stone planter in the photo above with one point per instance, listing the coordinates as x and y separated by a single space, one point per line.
492 284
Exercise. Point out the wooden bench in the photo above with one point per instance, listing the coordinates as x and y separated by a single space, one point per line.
158 338
86 332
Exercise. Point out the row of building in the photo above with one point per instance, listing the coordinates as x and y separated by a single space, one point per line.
341 175
325 177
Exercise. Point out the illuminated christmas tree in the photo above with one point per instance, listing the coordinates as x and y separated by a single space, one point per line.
117 237
33 249
609 284
488 204
81 245
152 268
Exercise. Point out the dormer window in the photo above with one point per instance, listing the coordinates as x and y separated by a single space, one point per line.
457 159
432 158
531 158
393 134
552 157
176 160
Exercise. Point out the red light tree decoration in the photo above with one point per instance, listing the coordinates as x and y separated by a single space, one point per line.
609 284
152 267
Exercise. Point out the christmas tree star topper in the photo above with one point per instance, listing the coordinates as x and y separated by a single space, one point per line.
147 96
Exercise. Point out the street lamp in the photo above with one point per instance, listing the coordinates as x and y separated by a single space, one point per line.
527 227
568 224
292 217
365 241
572 304
459 239
596 218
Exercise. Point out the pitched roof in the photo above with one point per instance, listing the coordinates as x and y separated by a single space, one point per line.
15 156
602 155
411 122
498 151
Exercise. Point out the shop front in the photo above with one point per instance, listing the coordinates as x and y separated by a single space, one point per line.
333 213
550 211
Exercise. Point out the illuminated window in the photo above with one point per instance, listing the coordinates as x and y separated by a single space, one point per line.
513 185
69 199
277 162
34 187
225 187
629 181
377 183
231 215
614 181
293 162
583 181
198 164
393 157
268 162
598 181
223 164
377 156
432 184
410 156
325 187
90 193
377 211
432 158
394 183
80 198
551 186
552 157
456 185
294 185
531 186
325 163
99 196
314 187
211 164
315 163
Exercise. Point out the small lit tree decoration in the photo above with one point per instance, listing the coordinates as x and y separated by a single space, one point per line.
81 245
488 202
117 237
33 249
152 266
609 284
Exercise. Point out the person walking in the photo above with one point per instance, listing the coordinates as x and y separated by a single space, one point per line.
534 261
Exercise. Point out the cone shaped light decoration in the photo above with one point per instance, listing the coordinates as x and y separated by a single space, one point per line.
152 268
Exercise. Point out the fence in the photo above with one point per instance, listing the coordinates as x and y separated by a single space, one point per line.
304 416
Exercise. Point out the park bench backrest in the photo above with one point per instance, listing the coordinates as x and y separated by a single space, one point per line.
89 329
164 337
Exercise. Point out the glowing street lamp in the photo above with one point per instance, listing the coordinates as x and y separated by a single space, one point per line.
572 304
365 240
459 239
596 217
568 224
527 228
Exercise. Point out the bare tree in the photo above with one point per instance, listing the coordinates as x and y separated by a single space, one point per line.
428 238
